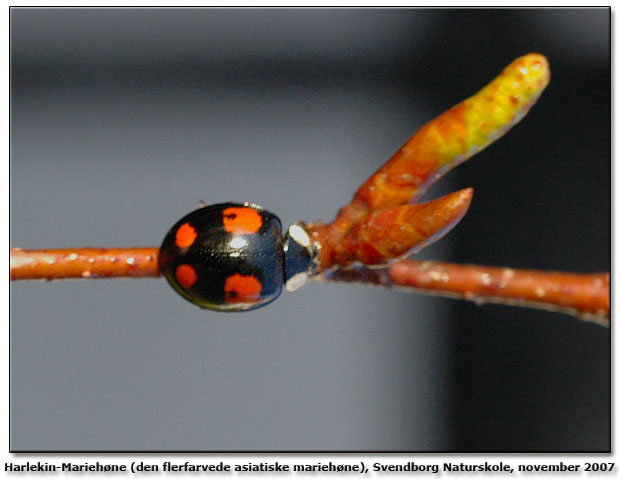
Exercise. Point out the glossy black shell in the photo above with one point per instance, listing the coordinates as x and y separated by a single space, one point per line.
224 268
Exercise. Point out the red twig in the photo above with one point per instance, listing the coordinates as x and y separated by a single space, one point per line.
582 295
381 225
84 263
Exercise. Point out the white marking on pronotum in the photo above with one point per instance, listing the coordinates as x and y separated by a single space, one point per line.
299 235
296 282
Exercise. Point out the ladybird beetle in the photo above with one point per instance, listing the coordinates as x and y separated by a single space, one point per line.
233 257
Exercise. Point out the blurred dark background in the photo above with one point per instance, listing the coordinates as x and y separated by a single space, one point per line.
122 119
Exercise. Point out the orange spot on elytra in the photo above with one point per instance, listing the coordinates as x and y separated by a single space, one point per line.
186 275
185 236
240 288
241 220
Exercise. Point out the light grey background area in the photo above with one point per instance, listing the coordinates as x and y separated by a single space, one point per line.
123 119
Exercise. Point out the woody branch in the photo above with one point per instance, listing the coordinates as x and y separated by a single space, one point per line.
384 222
